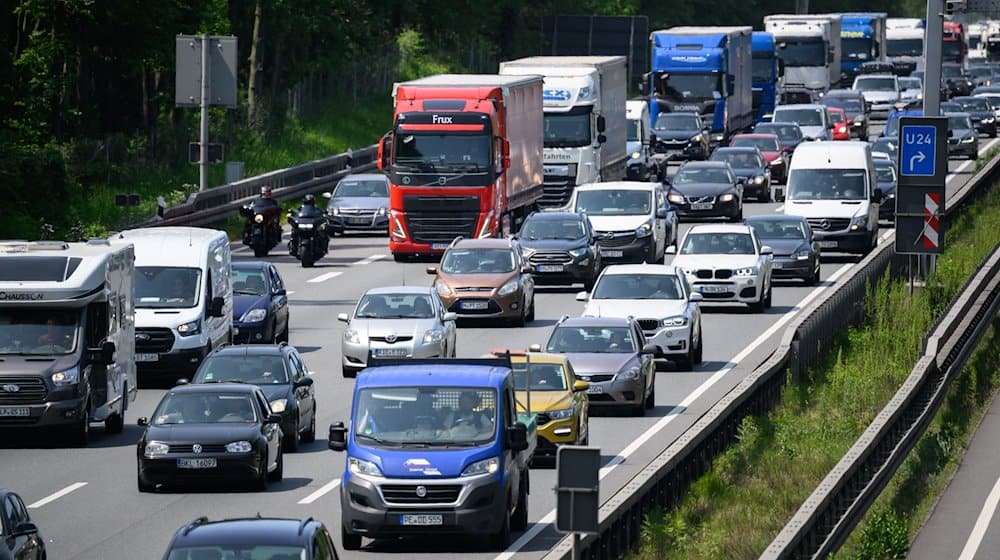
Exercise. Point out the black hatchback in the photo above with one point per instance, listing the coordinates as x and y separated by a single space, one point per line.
255 537
562 248
19 536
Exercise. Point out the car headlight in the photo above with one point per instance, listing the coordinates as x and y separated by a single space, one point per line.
697 139
581 252
156 449
859 222
748 271
66 377
442 289
676 198
726 197
360 466
333 211
630 373
758 180
988 120
258 218
351 336
254 316
645 230
432 336
803 254
486 466
675 321
527 252
636 155
278 405
560 414
509 288
968 140
382 211
188 329
239 447
717 137
306 225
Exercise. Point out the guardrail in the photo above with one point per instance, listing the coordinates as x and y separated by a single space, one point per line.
663 482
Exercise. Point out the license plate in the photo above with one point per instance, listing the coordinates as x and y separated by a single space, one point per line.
828 244
549 268
9 411
712 289
391 352
595 389
196 463
421 520
607 253
560 170
358 221
439 246
777 264
475 305
701 205
147 357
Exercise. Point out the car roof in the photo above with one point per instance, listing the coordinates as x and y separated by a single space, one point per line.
763 134
775 218
434 374
726 149
775 123
652 269
815 106
238 388
364 177
595 322
957 114
248 531
617 185
400 290
686 113
843 93
251 264
539 358
708 164
483 243
719 228
555 215
251 350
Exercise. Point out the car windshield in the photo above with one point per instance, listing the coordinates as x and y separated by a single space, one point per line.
425 416
885 173
638 286
542 377
910 83
802 117
361 189
994 99
981 72
826 184
778 229
974 104
718 243
951 71
784 132
892 127
543 228
237 551
674 121
719 175
478 261
249 282
33 330
845 103
204 408
613 202
875 84
256 369
591 340
738 159
451 152
166 287
959 123
395 306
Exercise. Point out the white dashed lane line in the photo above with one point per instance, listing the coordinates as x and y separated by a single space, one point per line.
369 260
53 497
324 277
325 489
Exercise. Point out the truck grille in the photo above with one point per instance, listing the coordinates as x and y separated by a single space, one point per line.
617 239
556 191
30 390
407 493
829 224
649 324
153 340
440 219
550 257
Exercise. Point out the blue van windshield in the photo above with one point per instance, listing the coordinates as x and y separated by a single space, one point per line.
426 416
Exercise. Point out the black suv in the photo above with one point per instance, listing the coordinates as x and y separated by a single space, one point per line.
260 537
562 248
19 536
280 372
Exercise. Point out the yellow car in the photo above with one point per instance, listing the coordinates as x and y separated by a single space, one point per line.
554 395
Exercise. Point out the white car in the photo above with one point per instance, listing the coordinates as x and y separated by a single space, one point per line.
727 263
660 299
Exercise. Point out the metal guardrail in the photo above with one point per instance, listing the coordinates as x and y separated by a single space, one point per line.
663 482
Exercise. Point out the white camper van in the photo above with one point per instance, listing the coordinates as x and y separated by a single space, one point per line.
66 336
833 186
183 295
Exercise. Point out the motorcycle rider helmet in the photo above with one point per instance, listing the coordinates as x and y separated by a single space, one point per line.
309 200
265 192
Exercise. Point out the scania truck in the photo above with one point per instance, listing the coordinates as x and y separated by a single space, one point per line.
863 39
584 131
66 337
905 40
767 75
809 45
706 70
464 159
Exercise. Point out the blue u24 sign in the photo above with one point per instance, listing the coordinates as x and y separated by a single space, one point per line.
917 149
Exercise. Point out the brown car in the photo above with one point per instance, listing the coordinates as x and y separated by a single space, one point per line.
486 278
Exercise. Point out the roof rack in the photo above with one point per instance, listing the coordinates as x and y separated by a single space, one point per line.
198 521
494 362
305 521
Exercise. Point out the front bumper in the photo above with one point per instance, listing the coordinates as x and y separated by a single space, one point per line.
741 289
791 267
844 241
553 433
607 390
250 333
241 467
361 222
177 362
51 414
630 249
970 149
550 274
986 127
355 356
670 340
476 305
728 209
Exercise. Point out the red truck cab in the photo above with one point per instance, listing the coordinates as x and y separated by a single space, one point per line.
953 46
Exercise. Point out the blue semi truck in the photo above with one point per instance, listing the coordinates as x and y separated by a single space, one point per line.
767 72
705 70
862 37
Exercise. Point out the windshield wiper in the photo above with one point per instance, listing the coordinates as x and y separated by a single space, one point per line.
246 293
378 440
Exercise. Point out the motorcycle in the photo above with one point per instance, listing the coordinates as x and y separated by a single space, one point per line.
310 239
261 231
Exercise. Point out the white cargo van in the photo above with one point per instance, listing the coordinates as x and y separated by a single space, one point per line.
833 186
639 165
183 296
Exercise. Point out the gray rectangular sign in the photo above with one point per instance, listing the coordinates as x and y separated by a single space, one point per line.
222 71
577 489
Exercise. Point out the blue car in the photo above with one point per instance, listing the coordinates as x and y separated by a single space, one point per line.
260 303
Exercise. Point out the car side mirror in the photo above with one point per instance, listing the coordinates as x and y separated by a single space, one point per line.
671 250
581 296
696 297
215 309
182 381
661 213
281 292
328 194
142 421
273 419
450 316
342 317
517 437
24 528
580 386
765 250
305 382
650 349
877 195
337 437
535 348
107 353
432 270
527 269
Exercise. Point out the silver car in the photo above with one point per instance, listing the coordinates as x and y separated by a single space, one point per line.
360 202
397 322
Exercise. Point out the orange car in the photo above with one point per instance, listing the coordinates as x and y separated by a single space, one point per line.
841 126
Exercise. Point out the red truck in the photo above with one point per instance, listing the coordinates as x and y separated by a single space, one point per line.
953 46
464 158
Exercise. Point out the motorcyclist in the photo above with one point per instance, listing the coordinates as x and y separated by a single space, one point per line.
269 208
305 213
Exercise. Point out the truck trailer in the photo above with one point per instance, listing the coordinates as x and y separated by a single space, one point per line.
863 39
810 46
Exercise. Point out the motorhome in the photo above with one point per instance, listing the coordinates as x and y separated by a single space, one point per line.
66 336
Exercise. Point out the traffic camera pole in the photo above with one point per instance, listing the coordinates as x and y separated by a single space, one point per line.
932 89
203 146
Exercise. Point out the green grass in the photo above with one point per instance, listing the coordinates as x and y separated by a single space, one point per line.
755 486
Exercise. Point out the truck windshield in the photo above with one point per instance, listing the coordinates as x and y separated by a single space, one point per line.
807 51
166 286
638 286
762 69
826 184
951 50
38 331
858 48
567 130
689 87
591 340
905 47
451 152
613 202
677 121
425 416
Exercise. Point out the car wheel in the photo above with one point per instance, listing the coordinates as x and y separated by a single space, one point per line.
814 278
80 433
639 410
350 541
685 362
284 334
398 257
767 297
519 519
309 435
500 540
279 471
757 306
291 441
115 423
349 372
699 350
531 312
263 477
142 485
650 401
586 436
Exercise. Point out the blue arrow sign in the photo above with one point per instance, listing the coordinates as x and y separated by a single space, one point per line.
917 149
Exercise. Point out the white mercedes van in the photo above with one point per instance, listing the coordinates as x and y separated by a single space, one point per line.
833 186
183 296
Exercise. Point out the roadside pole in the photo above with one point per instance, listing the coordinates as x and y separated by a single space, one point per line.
206 60
932 96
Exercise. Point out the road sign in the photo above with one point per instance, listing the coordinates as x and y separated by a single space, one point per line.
215 152
577 486
221 71
920 193
918 221
918 144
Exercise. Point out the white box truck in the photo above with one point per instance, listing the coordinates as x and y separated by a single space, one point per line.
809 46
585 129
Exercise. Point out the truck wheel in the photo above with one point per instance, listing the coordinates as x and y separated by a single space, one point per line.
115 423
500 540
519 520
348 540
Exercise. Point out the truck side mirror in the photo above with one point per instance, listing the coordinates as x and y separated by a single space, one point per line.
384 151
517 437
601 123
337 437
106 356
215 308
601 138
781 67
730 83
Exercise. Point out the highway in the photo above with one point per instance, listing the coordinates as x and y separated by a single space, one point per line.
87 505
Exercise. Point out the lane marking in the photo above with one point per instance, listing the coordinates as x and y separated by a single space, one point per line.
325 489
324 277
289 292
369 260
537 527
982 524
53 497
241 250
779 208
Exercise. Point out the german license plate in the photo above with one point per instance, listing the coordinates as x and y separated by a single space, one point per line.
595 389
421 519
439 246
358 221
608 253
196 463
549 268
712 289
147 357
828 244
390 352
9 411
701 205
475 305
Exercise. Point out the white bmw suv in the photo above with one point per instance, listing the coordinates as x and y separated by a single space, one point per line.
660 299
727 263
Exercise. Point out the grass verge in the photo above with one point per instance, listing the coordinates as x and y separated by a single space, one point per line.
756 485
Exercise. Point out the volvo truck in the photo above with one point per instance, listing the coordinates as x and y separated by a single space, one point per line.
863 39
809 45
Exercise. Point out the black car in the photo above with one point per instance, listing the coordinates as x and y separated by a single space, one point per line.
749 165
707 189
20 538
796 253
962 138
885 177
281 373
788 133
949 107
981 112
260 303
562 248
853 104
953 76
679 136
210 433
255 537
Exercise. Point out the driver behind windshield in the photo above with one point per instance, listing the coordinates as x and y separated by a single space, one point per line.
466 414
57 332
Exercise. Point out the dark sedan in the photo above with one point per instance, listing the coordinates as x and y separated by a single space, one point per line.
20 538
210 433
796 253
885 177
679 136
962 138
359 203
981 113
260 303
562 248
252 538
281 373
887 145
707 189
748 164
789 134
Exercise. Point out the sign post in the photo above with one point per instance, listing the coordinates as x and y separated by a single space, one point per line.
920 193
577 499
